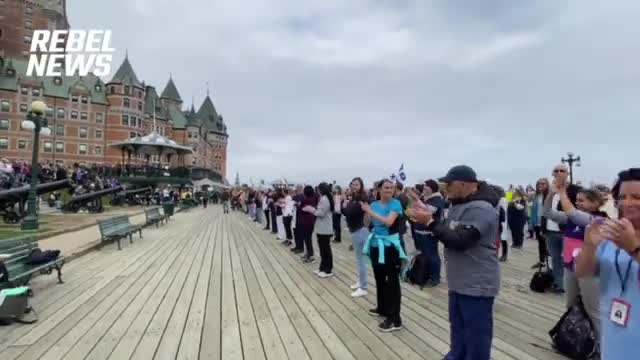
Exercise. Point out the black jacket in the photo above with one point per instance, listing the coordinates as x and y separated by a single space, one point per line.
464 237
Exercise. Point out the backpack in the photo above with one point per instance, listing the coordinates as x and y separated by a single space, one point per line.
417 270
574 335
14 307
542 280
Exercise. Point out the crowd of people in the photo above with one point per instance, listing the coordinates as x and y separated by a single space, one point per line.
590 235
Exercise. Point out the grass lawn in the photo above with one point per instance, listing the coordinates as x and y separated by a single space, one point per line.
10 231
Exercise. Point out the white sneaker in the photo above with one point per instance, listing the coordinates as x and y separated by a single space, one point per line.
317 272
359 293
323 274
355 286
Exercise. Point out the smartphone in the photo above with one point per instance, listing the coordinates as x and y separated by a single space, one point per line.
599 220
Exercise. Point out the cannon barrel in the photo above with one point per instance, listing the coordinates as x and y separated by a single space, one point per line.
137 191
95 194
14 193
43 188
53 186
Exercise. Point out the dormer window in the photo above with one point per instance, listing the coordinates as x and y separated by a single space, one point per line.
98 88
57 80
11 72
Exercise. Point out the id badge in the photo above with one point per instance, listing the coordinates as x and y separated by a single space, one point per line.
620 311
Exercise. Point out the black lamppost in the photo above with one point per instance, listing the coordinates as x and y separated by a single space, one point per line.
38 123
571 159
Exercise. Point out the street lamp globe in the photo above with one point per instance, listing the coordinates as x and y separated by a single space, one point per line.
28 125
45 131
38 107
570 154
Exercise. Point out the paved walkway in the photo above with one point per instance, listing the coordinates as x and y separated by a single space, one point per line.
211 286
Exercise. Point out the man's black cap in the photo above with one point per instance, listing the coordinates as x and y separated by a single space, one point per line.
460 173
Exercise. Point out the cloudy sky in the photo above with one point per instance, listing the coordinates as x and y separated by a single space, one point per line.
331 89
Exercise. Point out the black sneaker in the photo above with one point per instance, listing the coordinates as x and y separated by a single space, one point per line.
309 260
537 265
389 326
374 312
350 247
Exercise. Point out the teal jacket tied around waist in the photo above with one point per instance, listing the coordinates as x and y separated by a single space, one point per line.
381 241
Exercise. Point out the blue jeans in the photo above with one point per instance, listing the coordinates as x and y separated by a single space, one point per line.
554 243
471 327
359 239
430 249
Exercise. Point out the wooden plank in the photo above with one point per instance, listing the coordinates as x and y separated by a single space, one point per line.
298 338
133 261
130 339
99 340
319 328
360 332
211 348
252 346
411 342
271 341
231 340
191 337
149 342
37 349
170 341
77 325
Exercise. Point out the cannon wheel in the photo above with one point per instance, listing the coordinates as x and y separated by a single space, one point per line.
10 217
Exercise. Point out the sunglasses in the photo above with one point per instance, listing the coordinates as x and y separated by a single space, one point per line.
556 171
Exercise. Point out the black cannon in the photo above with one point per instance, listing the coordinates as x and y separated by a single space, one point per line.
131 197
91 201
12 201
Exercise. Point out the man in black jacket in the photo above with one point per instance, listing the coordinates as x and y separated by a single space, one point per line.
473 274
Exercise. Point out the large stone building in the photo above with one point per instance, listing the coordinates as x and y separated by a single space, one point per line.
85 114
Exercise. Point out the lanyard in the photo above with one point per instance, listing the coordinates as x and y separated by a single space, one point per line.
623 281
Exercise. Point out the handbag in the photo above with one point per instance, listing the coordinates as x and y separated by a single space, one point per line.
542 280
574 335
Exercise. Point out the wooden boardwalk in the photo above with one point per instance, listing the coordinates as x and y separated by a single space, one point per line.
214 286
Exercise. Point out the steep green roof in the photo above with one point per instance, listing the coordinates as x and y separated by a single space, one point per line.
192 118
207 111
50 85
151 97
170 91
209 117
125 74
178 118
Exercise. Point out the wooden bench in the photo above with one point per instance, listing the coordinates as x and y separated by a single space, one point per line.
118 227
154 216
20 271
6 244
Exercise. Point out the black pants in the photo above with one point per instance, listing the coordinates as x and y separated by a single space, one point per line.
505 248
205 201
297 238
517 234
267 219
388 283
543 252
286 220
337 231
326 258
305 232
274 223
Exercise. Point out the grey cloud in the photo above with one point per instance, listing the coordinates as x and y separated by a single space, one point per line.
508 87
